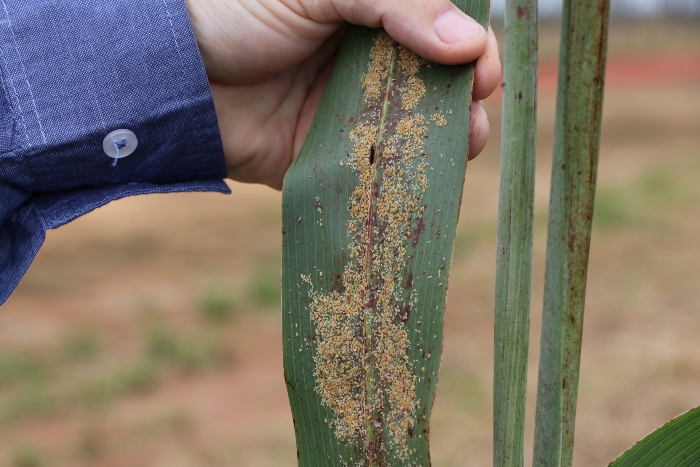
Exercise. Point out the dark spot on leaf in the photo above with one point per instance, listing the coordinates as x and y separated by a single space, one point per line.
338 285
409 281
371 155
372 301
375 191
417 231
520 96
437 234
410 428
521 11
298 219
449 85
372 451
289 383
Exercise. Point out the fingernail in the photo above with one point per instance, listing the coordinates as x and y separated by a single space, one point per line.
452 27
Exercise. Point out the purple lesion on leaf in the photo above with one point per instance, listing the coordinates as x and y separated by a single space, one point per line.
409 281
338 285
417 231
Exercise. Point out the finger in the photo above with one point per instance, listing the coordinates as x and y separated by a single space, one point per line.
311 104
248 41
316 70
434 29
313 65
487 73
478 129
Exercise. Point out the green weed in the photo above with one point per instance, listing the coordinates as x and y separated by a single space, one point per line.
611 209
27 456
184 353
81 345
264 289
171 421
466 242
462 386
659 186
217 306
641 201
33 400
91 444
137 377
16 368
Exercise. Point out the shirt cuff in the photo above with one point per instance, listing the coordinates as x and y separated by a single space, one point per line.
71 73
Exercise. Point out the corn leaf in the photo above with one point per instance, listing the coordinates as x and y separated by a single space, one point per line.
369 216
676 444
514 244
574 171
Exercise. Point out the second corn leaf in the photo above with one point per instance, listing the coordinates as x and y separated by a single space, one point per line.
582 59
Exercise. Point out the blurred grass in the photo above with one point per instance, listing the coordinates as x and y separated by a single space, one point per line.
264 288
187 353
81 345
126 379
21 368
31 401
217 305
645 201
27 455
34 387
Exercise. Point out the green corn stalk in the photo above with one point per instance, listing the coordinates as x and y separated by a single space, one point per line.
574 169
514 242
370 210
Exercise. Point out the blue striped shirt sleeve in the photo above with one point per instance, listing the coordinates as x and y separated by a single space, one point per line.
71 72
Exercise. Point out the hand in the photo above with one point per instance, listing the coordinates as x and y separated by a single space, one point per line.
269 60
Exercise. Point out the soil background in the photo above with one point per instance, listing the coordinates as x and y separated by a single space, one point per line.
147 333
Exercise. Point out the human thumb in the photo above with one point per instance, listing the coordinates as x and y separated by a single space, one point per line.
435 29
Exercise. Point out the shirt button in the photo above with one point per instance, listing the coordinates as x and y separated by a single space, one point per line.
119 143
